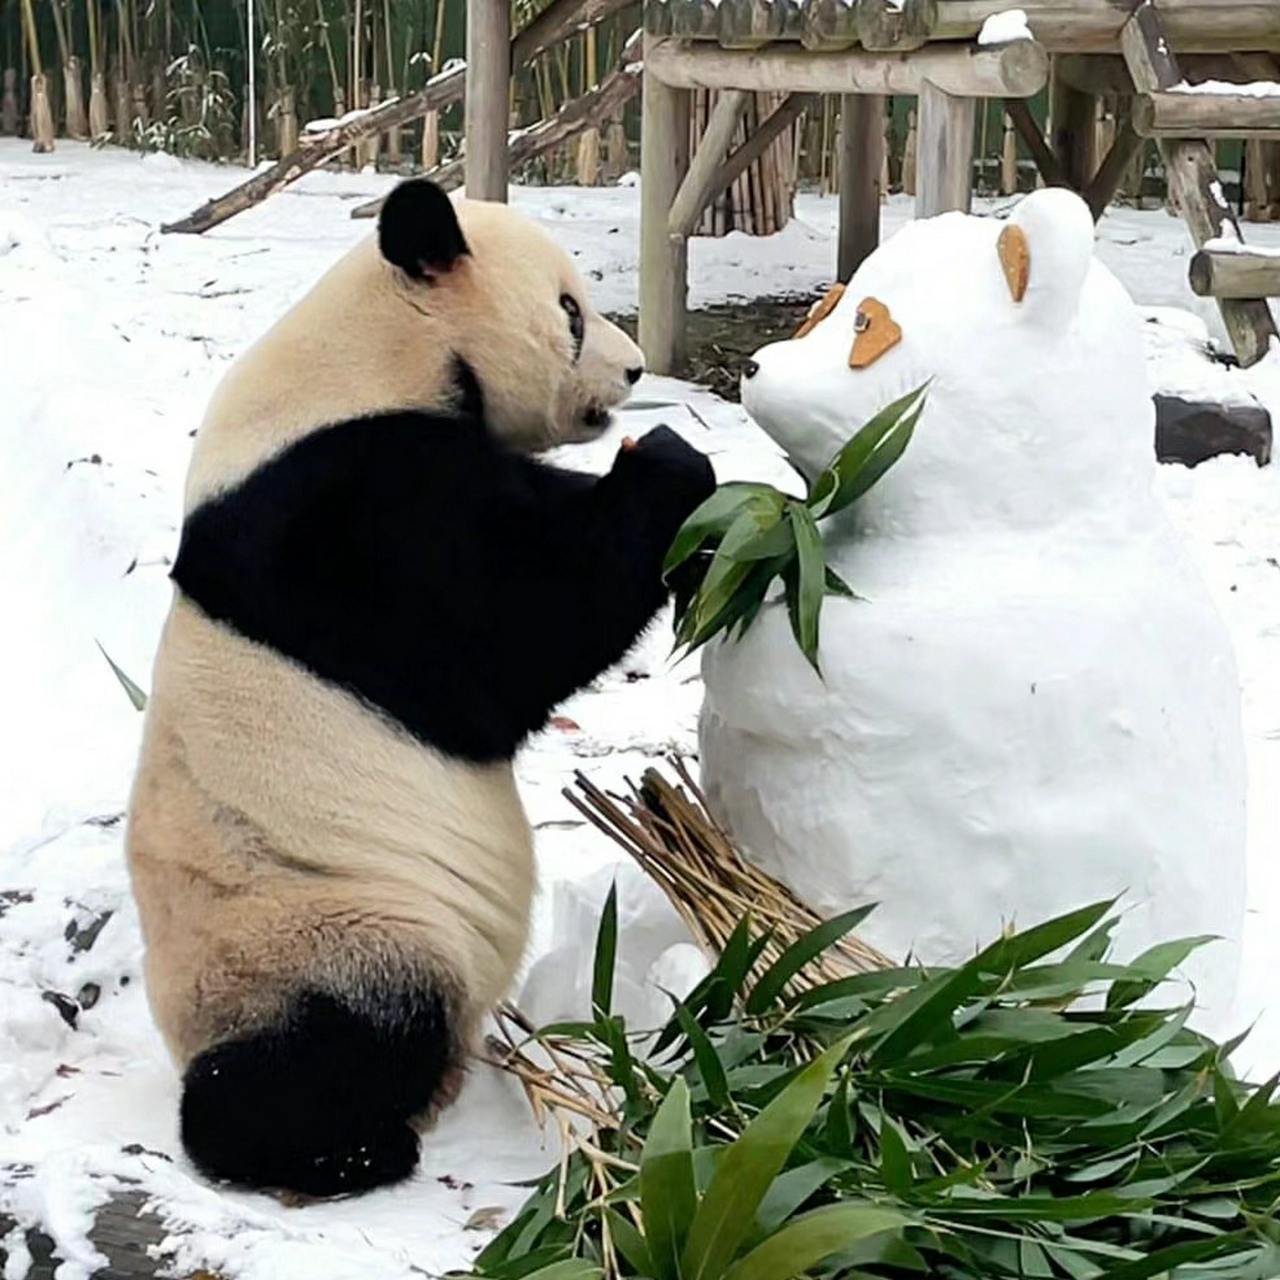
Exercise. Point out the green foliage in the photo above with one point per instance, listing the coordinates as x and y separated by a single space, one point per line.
745 536
132 691
1017 1116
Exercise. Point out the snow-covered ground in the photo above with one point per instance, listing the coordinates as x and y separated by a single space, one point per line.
111 338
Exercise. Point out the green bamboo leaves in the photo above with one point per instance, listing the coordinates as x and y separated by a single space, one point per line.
976 1123
747 535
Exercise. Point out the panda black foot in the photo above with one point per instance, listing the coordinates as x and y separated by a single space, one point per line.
320 1105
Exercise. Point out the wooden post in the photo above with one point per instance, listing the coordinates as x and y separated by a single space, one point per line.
488 95
944 150
1237 273
910 157
1073 129
861 166
1009 160
664 146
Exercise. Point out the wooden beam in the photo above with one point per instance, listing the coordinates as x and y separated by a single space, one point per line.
1075 139
1179 114
488 98
782 117
1193 180
944 152
1016 70
664 150
861 160
696 190
1147 52
556 23
608 97
1235 273
1029 131
901 25
1106 182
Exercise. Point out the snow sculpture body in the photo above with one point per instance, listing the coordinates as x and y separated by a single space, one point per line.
1035 705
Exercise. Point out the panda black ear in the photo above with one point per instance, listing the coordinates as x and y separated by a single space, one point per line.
418 230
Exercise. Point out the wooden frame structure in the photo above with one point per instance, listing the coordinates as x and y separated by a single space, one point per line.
866 49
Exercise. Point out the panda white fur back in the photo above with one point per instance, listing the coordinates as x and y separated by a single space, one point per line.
379 595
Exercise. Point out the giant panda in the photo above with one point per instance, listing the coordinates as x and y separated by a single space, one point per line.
379 595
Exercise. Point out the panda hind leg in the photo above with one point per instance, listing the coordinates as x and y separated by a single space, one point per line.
323 1103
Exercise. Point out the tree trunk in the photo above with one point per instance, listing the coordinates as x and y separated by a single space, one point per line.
73 85
41 116
98 125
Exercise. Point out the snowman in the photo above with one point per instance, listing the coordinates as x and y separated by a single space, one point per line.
1034 704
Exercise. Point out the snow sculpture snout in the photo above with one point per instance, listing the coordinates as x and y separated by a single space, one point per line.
1036 704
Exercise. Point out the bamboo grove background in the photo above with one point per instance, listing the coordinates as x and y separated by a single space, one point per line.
172 75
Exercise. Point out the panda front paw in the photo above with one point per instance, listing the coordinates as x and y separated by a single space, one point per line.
671 471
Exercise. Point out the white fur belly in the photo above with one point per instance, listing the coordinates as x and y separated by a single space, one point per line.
1000 737
428 845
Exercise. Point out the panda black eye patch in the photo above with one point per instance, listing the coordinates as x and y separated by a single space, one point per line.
576 326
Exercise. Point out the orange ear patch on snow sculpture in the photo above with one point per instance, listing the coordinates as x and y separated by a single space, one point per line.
874 332
1015 259
820 310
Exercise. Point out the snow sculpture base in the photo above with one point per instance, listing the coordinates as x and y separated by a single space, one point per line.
1036 704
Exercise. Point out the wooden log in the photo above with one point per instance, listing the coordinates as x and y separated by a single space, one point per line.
488 98
910 156
902 25
610 95
1029 131
41 116
780 119
9 105
1062 26
1016 70
74 113
1111 173
861 163
1147 52
1235 273
1009 159
1177 114
664 141
1072 116
944 173
431 140
557 22
695 191
316 149
99 126
1193 179
1257 198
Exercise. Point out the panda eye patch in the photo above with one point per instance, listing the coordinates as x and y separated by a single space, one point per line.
576 328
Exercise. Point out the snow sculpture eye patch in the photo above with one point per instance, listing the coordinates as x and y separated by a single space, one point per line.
874 332
820 310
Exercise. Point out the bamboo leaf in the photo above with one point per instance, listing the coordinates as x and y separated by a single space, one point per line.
711 519
805 949
750 1165
668 1196
132 691
810 583
1153 966
605 955
709 1065
813 1236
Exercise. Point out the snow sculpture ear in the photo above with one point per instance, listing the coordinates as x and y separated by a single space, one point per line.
820 310
1045 252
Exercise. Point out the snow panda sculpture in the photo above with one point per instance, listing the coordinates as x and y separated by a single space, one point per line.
1035 705
379 595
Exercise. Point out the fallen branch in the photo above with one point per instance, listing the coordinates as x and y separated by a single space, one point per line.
316 148
556 23
607 98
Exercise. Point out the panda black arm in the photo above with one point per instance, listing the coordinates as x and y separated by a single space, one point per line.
459 587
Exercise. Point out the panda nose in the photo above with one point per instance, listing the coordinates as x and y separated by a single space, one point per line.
750 369
634 375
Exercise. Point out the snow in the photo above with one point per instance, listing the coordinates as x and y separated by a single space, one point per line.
113 337
1005 27
1216 88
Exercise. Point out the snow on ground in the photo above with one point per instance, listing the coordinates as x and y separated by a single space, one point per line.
111 338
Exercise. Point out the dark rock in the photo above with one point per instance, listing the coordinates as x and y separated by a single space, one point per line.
1192 431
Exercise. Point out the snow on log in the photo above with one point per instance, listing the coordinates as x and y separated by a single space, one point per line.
608 97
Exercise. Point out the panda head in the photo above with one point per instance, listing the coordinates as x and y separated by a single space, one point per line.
491 285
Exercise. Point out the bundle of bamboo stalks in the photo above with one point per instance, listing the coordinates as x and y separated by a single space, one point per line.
669 831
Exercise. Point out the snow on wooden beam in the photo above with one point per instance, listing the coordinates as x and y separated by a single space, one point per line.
1016 70
1209 111
1226 269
